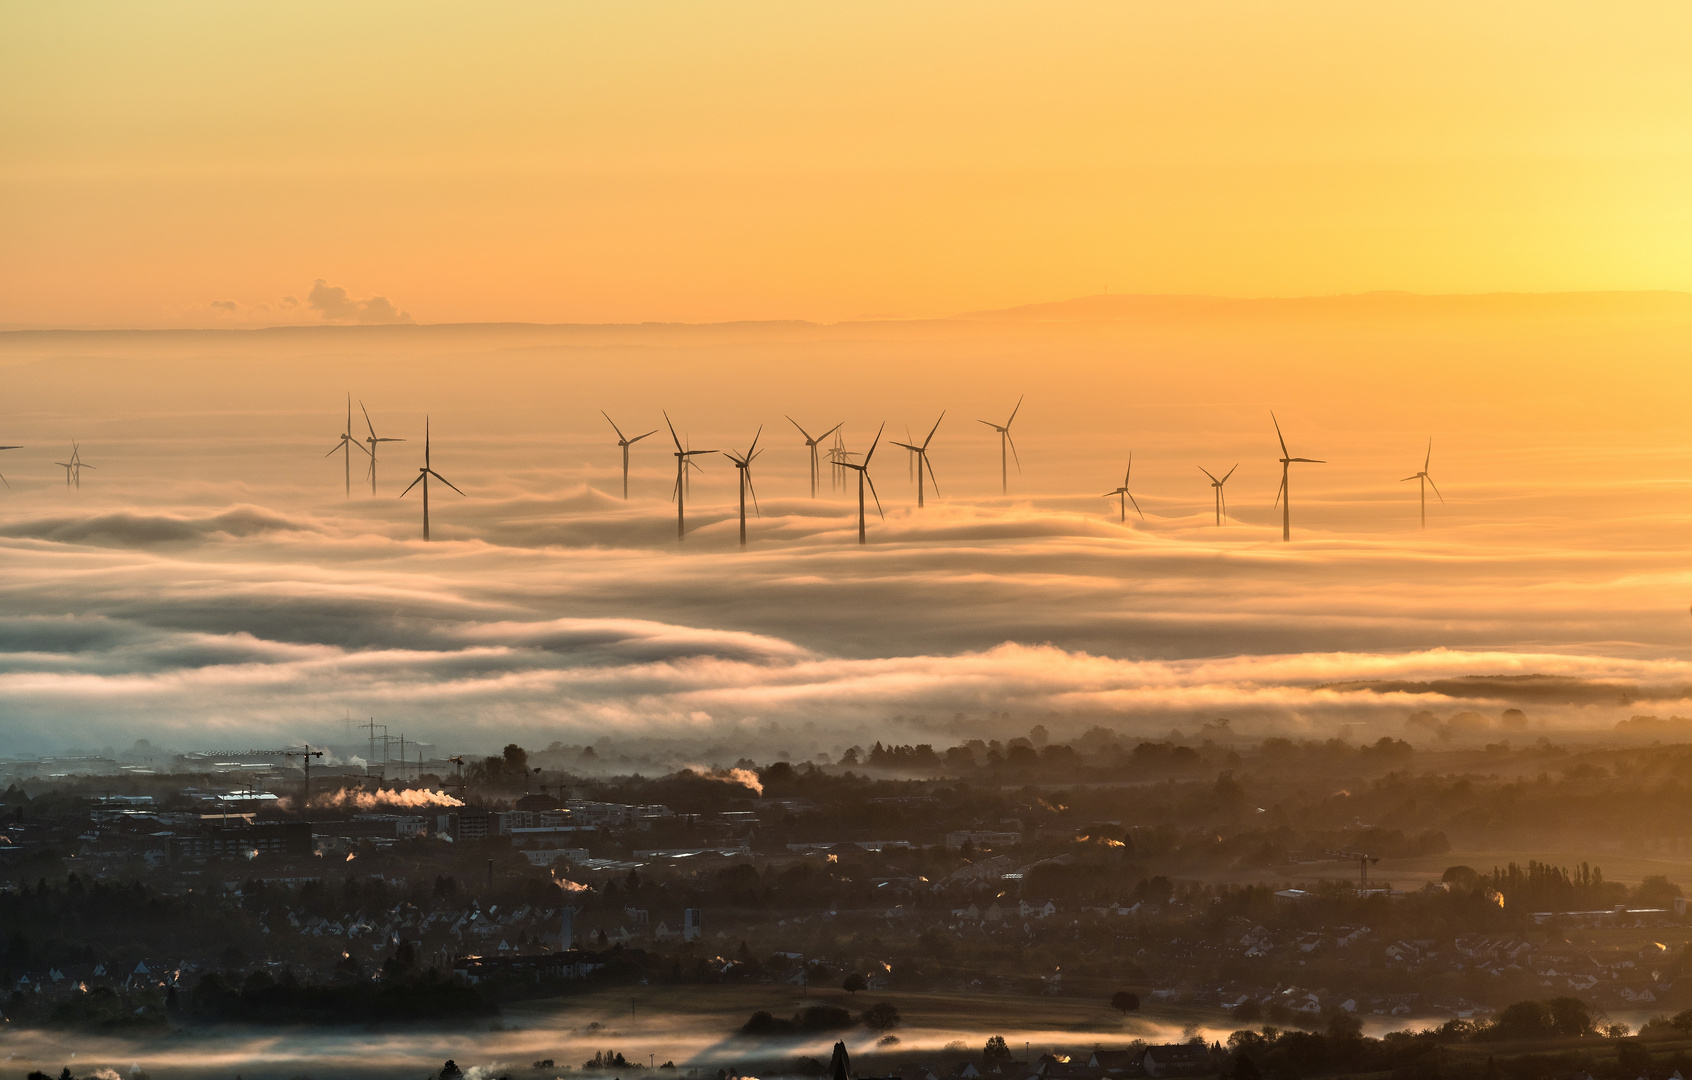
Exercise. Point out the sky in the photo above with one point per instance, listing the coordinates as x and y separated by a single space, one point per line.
1160 227
203 164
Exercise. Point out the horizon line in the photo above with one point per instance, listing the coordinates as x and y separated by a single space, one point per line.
983 314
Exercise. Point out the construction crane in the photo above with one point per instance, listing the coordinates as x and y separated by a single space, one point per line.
1363 861
305 755
458 773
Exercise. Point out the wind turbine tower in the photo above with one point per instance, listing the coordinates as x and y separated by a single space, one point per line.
1216 486
1123 495
1426 482
625 442
1284 496
423 474
920 454
1005 443
344 446
372 441
811 445
684 458
863 478
743 464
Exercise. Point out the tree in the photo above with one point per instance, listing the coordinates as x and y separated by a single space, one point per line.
882 1016
995 1050
854 982
1570 1016
1125 1001
451 1071
516 759
1245 1070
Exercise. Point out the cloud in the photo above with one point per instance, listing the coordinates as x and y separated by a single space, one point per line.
228 306
334 304
134 529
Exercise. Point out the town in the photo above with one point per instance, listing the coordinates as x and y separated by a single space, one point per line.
1196 886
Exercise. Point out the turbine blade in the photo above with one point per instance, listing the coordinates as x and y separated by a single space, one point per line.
411 485
1310 460
1230 472
754 491
1137 509
1207 472
830 431
1416 477
1129 472
752 451
613 424
1014 456
1015 410
873 495
367 422
873 444
907 446
808 440
333 450
1429 459
390 440
1284 451
1436 488
989 423
637 438
3 479
445 481
933 429
1278 492
931 476
673 432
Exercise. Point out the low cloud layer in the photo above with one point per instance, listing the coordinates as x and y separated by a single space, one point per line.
216 584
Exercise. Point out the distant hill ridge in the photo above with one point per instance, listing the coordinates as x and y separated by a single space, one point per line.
1366 305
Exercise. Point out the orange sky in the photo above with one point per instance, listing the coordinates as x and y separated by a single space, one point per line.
758 160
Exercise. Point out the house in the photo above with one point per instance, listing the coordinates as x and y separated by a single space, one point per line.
1037 909
994 912
1113 1062
1177 1059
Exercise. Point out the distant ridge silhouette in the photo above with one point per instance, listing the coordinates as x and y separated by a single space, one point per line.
1154 306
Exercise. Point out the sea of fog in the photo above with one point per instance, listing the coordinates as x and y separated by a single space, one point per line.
212 584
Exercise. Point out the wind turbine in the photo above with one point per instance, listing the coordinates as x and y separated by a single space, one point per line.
743 463
73 468
811 444
1426 482
372 441
684 458
1005 441
1284 495
3 480
625 442
1123 495
920 454
344 446
1221 498
863 478
423 475
838 457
